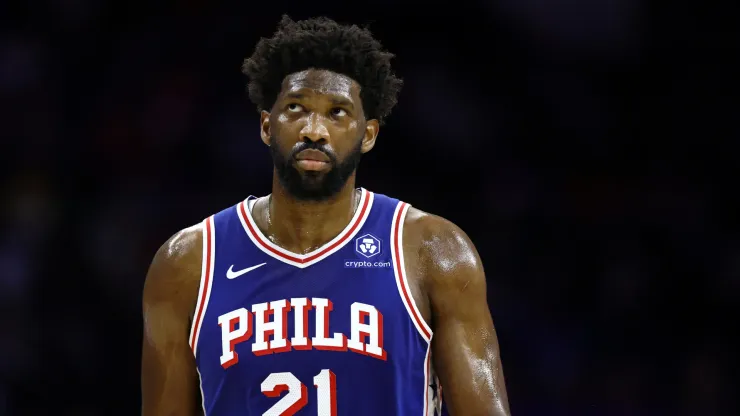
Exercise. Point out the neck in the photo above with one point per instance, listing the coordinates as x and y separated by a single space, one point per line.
302 226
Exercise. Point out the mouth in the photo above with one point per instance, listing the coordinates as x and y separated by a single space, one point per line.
312 160
312 165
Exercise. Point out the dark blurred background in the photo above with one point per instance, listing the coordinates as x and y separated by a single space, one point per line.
585 146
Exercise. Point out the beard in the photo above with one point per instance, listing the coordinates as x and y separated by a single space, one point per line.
314 186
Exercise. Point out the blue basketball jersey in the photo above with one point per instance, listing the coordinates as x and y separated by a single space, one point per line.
331 332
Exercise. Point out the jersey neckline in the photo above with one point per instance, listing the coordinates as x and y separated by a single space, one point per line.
304 260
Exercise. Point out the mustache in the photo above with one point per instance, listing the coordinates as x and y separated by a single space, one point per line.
323 148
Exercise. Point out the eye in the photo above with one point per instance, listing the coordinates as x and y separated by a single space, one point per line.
338 112
295 108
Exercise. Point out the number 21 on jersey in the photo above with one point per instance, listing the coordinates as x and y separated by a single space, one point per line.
297 397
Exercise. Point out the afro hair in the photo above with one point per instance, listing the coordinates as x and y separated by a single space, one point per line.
322 43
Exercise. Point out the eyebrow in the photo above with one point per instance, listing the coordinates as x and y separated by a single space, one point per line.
334 100
342 101
295 95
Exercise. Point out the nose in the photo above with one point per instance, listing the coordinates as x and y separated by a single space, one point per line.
314 130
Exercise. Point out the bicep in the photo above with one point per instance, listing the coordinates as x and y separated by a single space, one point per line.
465 347
169 379
466 356
168 376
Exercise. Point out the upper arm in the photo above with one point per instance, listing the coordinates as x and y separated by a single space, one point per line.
169 379
465 349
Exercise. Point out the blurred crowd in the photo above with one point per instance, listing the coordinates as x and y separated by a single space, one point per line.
573 141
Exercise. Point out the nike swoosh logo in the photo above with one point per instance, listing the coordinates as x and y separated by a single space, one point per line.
231 274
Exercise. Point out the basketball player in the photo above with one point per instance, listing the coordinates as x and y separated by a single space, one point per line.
321 298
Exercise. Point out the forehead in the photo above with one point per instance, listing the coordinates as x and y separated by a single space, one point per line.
321 82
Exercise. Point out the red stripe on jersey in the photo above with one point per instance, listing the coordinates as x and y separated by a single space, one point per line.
347 233
206 286
400 271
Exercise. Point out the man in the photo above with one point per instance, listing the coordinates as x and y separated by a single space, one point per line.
321 298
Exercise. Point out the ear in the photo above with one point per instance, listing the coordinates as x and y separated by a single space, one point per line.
265 127
371 133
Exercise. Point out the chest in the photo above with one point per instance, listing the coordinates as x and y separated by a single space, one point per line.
334 306
349 305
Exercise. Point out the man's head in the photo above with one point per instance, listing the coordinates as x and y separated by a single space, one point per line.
323 90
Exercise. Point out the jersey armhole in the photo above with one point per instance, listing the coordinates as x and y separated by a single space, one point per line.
206 281
399 271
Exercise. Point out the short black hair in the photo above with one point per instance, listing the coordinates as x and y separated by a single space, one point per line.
322 43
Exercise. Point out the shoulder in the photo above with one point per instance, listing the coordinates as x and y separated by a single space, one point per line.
181 252
443 250
174 273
